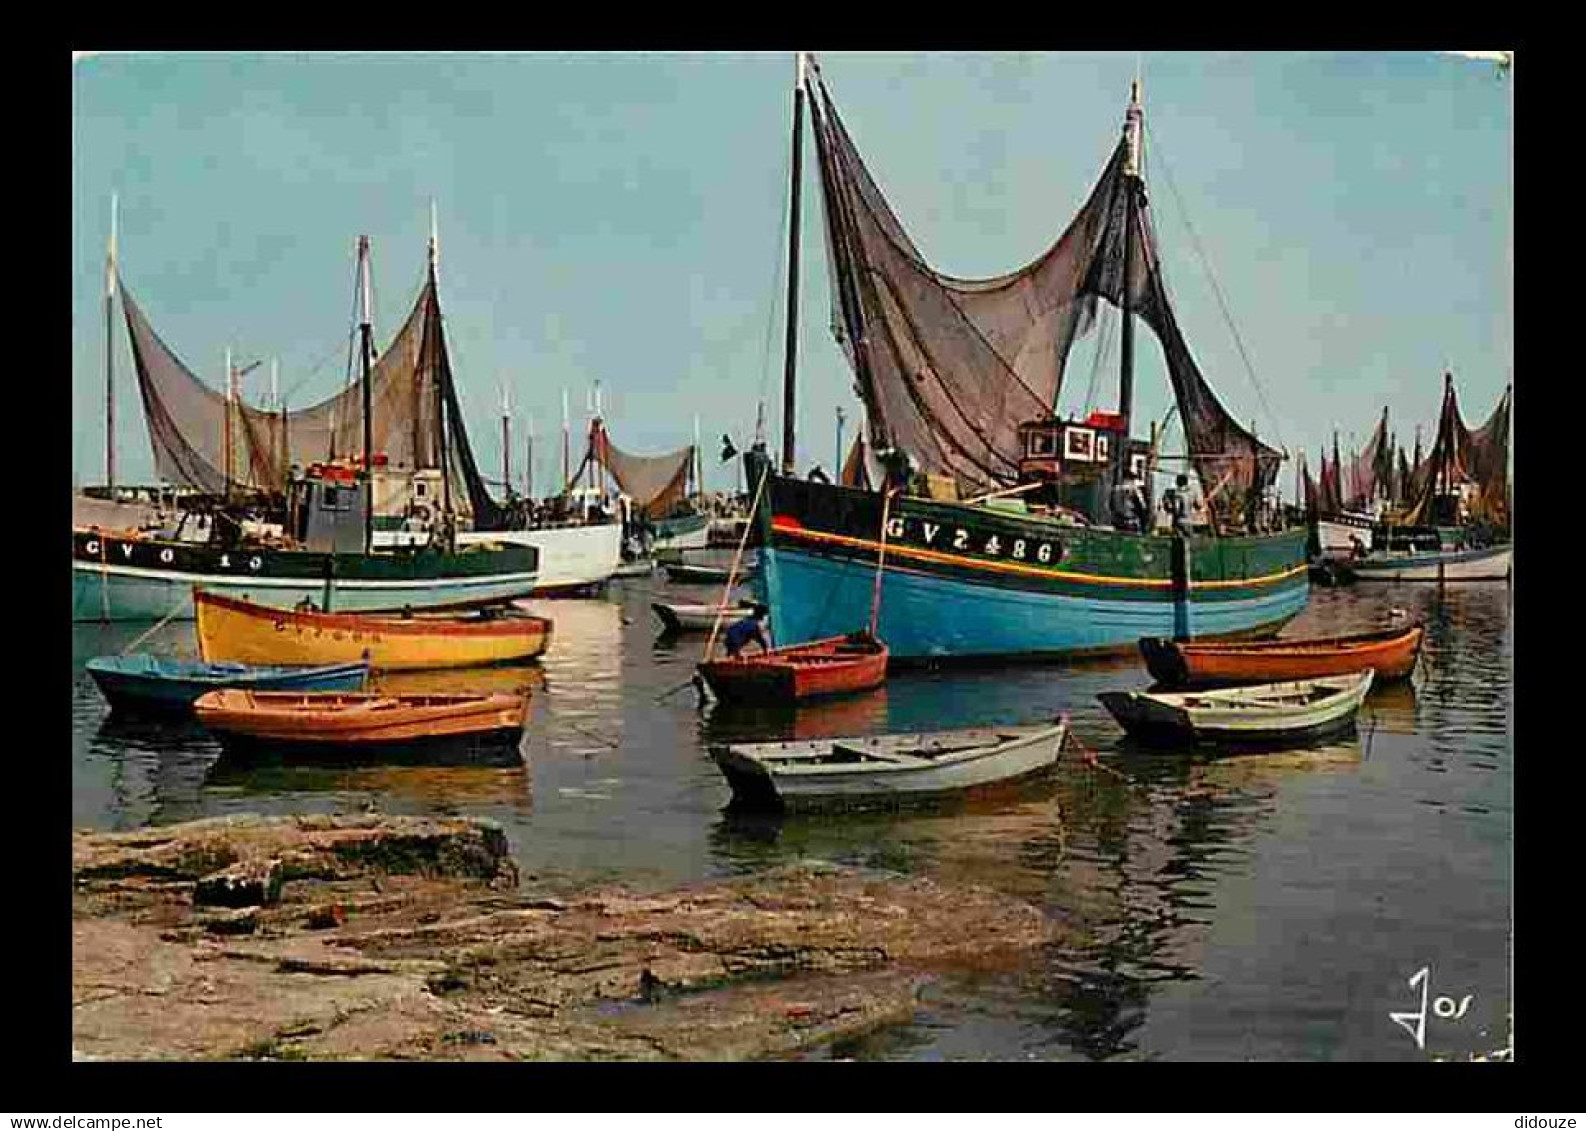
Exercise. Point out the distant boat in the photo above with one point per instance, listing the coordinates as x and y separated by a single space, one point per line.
639 567
839 665
883 769
1391 653
690 574
165 685
678 618
683 532
358 723
1266 713
1489 563
229 629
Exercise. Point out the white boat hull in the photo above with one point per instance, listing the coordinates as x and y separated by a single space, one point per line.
571 557
1265 713
1491 564
1336 535
877 770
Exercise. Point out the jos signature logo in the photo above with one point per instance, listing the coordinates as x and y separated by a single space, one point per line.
1444 1007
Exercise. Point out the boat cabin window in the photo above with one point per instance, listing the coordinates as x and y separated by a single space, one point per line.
418 490
1041 444
335 498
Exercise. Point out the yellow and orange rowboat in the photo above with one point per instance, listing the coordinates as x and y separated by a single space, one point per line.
233 629
357 720
1390 653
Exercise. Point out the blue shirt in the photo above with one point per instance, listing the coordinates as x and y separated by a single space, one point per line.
743 631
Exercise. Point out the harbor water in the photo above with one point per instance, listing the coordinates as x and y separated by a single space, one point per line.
1267 906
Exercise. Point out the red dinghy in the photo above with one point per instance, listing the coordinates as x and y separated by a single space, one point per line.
839 665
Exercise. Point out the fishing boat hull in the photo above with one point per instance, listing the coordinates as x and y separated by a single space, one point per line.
235 630
1490 563
573 559
252 723
120 578
1336 533
964 582
144 684
884 770
1249 716
685 532
821 669
1391 654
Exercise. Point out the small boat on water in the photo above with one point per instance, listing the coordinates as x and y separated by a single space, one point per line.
1390 652
166 685
884 769
249 721
691 574
1489 563
838 665
678 618
1266 713
238 630
638 567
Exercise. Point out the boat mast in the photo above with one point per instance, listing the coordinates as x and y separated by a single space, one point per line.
110 355
366 346
231 375
1131 182
567 428
436 373
793 272
699 462
506 434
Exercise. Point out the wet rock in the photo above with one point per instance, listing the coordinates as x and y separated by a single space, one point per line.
443 965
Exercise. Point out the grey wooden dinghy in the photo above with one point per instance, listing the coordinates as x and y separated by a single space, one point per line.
884 769
678 618
1265 713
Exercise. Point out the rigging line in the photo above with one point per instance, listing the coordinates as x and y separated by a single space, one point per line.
777 269
1103 351
1217 290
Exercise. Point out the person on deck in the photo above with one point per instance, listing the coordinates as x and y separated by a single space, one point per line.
1177 504
750 628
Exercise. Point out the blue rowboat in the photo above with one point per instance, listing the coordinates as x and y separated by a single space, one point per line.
160 684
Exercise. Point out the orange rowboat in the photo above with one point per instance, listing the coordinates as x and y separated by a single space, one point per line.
1391 653
358 722
838 665
233 629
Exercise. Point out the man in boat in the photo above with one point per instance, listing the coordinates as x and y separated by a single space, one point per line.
1175 500
1128 505
750 628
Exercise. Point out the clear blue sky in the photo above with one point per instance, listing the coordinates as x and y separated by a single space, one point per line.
620 217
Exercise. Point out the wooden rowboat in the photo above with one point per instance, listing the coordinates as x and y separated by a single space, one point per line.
702 574
1391 653
358 722
165 685
1266 713
838 665
884 769
677 618
233 629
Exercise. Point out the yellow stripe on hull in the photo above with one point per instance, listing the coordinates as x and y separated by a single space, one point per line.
277 637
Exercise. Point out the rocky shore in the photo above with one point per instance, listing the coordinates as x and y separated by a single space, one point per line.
380 937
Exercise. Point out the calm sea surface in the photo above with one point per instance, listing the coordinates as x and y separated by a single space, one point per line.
1261 907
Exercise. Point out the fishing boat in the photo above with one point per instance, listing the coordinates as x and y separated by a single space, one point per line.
678 618
638 567
327 722
884 769
1487 563
572 559
1265 713
1391 653
166 685
682 532
840 665
239 630
1003 541
690 573
276 532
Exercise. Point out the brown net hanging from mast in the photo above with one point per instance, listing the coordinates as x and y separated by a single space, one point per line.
656 484
187 419
949 368
1461 456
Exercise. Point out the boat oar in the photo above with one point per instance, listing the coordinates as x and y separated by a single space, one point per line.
732 572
